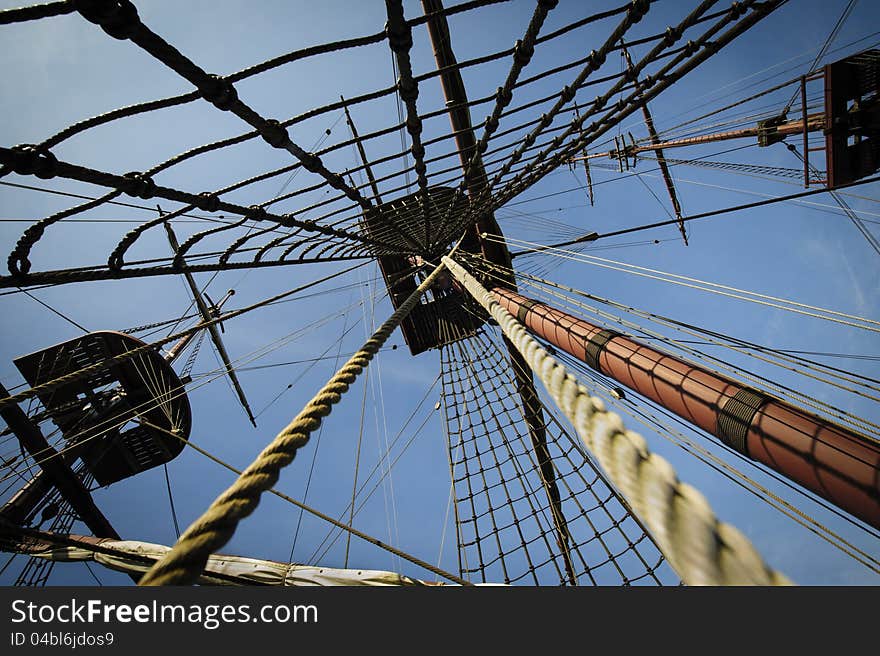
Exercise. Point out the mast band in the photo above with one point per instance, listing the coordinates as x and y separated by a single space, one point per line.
735 417
595 345
523 309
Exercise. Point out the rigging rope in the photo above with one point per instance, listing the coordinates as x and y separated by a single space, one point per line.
215 527
702 550
54 311
33 12
496 472
716 288
86 371
737 476
219 91
828 41
78 438
327 518
736 344
317 442
689 57
142 34
858 423
315 556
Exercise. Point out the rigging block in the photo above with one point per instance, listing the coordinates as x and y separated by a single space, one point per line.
117 419
441 317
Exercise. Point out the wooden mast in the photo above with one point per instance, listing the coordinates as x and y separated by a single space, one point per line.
830 460
494 251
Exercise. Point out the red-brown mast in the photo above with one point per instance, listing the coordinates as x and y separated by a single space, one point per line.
830 460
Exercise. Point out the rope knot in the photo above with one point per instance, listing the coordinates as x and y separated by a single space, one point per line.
139 185
399 34
737 9
118 18
567 94
414 125
597 58
638 9
274 133
257 213
336 181
673 34
311 162
219 92
33 160
208 202
522 53
408 89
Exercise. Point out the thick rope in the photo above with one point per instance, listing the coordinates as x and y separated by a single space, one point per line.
48 10
701 549
317 513
97 367
188 557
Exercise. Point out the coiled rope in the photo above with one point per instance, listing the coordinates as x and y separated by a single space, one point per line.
701 549
186 560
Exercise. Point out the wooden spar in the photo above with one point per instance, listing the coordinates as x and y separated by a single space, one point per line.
494 251
830 460
849 123
205 311
172 354
465 140
54 471
57 469
360 148
135 557
28 497
814 122
661 161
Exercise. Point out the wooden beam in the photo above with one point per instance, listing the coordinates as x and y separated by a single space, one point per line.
51 462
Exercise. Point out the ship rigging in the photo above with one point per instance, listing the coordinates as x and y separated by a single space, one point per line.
435 278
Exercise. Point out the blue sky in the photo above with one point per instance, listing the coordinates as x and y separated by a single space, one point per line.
64 69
